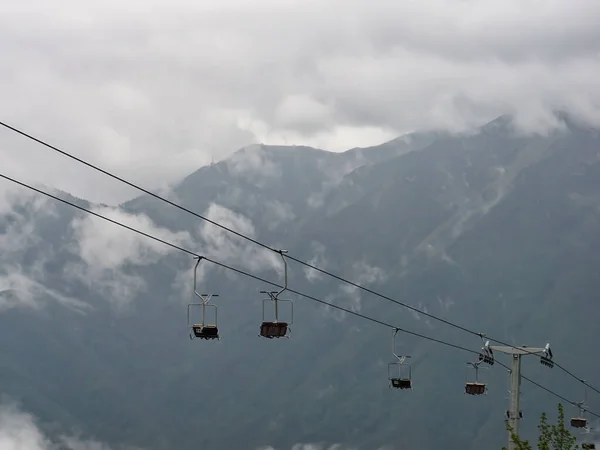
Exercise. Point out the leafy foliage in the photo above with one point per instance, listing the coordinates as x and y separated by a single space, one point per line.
551 437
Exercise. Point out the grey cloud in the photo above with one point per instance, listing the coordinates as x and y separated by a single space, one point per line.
253 164
19 430
230 249
349 296
468 29
182 289
278 213
445 303
304 114
19 289
12 196
366 274
105 247
154 90
107 252
311 447
23 287
318 260
75 443
335 173
18 232
319 446
423 308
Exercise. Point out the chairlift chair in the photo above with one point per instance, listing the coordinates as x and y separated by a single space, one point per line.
580 421
588 445
475 388
202 330
275 328
399 372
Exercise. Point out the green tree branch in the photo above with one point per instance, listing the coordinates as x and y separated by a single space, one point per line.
551 437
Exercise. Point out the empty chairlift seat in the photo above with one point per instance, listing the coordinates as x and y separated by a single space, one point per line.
201 330
578 422
206 331
273 329
588 446
401 383
475 388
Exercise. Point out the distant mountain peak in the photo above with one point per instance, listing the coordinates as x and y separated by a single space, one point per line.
556 121
500 123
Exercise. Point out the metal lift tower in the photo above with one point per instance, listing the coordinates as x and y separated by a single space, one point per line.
515 380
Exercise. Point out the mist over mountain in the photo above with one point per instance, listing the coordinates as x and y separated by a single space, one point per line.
492 229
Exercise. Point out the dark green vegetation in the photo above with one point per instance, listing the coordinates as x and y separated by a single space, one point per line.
551 437
492 231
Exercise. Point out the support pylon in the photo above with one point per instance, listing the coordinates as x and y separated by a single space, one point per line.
514 415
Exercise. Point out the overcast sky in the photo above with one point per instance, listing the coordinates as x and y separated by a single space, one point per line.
154 89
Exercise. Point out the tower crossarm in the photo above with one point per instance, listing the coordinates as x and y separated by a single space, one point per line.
516 350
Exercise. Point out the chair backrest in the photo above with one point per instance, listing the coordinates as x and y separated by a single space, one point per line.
206 332
273 329
475 388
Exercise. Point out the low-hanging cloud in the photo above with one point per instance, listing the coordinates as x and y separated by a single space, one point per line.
349 296
155 89
231 249
19 209
19 289
312 447
318 260
24 285
19 431
110 252
317 446
252 163
278 213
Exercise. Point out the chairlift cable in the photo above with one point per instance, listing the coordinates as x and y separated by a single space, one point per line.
233 269
255 241
325 272
249 275
224 227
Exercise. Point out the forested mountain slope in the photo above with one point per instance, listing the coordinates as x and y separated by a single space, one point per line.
492 230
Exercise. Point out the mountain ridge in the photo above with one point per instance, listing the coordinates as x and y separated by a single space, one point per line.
126 371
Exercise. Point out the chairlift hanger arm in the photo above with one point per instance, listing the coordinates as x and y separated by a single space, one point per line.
199 258
205 298
400 359
285 273
394 343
